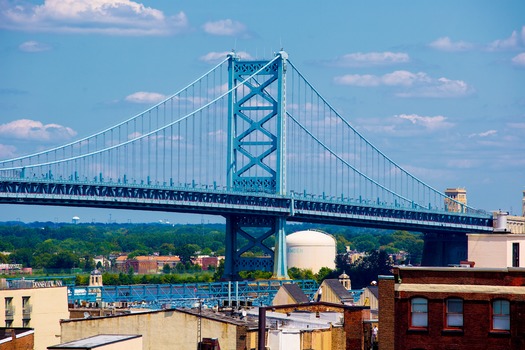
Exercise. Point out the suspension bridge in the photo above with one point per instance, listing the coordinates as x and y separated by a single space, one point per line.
254 142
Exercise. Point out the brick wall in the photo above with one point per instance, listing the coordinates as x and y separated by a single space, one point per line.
354 327
26 342
387 313
477 309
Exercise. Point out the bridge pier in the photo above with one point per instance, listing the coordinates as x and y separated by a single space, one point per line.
248 233
443 249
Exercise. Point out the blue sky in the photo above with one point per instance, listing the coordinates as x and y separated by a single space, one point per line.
437 86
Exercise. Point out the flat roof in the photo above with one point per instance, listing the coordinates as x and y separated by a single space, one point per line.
459 268
95 341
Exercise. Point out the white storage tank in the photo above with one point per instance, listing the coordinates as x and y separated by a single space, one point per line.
310 250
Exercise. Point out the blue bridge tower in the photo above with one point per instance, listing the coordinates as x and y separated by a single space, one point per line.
256 162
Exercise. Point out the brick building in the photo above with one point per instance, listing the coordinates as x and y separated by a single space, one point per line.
452 308
206 261
17 339
141 264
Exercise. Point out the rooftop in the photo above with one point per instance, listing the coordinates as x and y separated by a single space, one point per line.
95 341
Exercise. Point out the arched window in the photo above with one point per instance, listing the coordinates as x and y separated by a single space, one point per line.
454 313
501 315
419 313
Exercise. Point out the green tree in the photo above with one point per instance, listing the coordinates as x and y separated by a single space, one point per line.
166 269
219 272
166 249
365 243
365 270
62 261
22 256
324 273
300 274
187 252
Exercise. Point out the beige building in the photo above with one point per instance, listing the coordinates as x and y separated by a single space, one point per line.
458 196
163 329
34 304
497 250
333 291
290 293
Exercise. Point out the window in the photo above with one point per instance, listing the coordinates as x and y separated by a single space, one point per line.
419 312
454 313
26 308
8 323
515 255
501 315
9 308
25 302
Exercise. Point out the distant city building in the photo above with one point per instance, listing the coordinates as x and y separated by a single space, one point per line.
34 304
344 279
505 223
354 255
452 308
457 199
142 265
206 261
104 262
95 279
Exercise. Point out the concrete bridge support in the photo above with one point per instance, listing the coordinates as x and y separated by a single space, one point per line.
443 249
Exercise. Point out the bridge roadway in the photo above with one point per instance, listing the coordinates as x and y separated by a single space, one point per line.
294 207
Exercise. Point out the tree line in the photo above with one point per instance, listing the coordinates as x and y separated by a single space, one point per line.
58 247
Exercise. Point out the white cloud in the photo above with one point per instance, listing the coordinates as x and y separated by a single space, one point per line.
404 78
360 59
415 84
440 88
511 43
358 80
515 126
34 46
484 134
445 44
430 123
145 97
7 151
225 27
26 129
113 17
519 60
216 57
